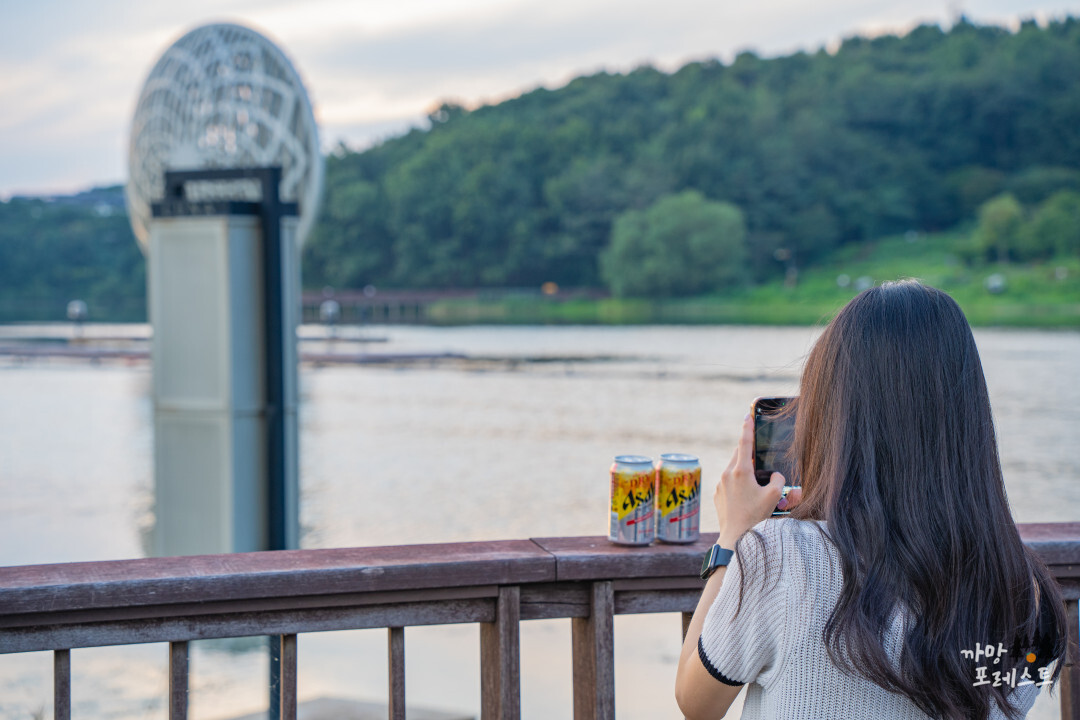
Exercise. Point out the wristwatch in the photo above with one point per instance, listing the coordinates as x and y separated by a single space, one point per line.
716 557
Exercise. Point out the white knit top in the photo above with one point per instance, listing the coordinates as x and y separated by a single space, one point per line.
775 644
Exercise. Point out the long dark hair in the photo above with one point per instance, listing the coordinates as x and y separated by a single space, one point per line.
895 446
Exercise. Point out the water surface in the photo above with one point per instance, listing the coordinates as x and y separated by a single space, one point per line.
513 445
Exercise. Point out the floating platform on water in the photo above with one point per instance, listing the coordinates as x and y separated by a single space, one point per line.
135 352
86 352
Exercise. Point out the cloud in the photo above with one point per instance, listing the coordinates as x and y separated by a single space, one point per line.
70 71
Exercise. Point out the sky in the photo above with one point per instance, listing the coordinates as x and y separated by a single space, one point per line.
71 70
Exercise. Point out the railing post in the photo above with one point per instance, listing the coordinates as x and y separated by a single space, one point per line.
62 685
274 645
178 681
396 652
594 657
288 677
1070 674
500 659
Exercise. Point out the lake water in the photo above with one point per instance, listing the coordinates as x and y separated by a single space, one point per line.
513 443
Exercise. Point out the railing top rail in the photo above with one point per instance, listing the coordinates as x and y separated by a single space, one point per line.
1056 543
66 587
242 576
595 558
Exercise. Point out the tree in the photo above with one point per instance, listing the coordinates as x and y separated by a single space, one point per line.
350 247
683 244
970 186
1000 219
1037 183
67 248
820 150
1054 228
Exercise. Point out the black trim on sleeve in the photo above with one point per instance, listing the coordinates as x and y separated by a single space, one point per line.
712 668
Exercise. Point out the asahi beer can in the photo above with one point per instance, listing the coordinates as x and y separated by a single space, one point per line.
633 481
678 498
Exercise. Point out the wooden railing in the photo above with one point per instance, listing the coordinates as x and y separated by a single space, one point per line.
497 584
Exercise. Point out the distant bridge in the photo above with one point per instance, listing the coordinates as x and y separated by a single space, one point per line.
361 307
384 306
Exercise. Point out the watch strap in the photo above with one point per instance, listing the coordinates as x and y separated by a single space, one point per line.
715 558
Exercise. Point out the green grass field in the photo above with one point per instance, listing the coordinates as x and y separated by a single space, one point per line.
1034 295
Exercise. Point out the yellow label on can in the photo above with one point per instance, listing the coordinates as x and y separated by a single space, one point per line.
676 487
631 490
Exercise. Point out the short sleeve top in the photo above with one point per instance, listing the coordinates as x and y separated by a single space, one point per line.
774 644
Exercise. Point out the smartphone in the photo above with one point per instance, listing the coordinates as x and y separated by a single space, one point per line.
774 431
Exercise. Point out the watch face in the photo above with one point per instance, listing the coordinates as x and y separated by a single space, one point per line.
707 566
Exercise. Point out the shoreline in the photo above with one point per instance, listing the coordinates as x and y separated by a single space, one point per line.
714 311
539 311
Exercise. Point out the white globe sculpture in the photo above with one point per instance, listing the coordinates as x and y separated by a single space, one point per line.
223 96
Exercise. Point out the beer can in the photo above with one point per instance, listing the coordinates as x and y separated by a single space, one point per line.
678 498
633 481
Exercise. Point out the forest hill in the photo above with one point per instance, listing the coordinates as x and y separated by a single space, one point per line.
720 174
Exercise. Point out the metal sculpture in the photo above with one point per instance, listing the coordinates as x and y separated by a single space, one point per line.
223 96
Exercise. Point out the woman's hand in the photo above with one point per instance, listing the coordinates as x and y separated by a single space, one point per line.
740 502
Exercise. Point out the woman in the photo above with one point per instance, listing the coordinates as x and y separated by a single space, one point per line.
900 556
